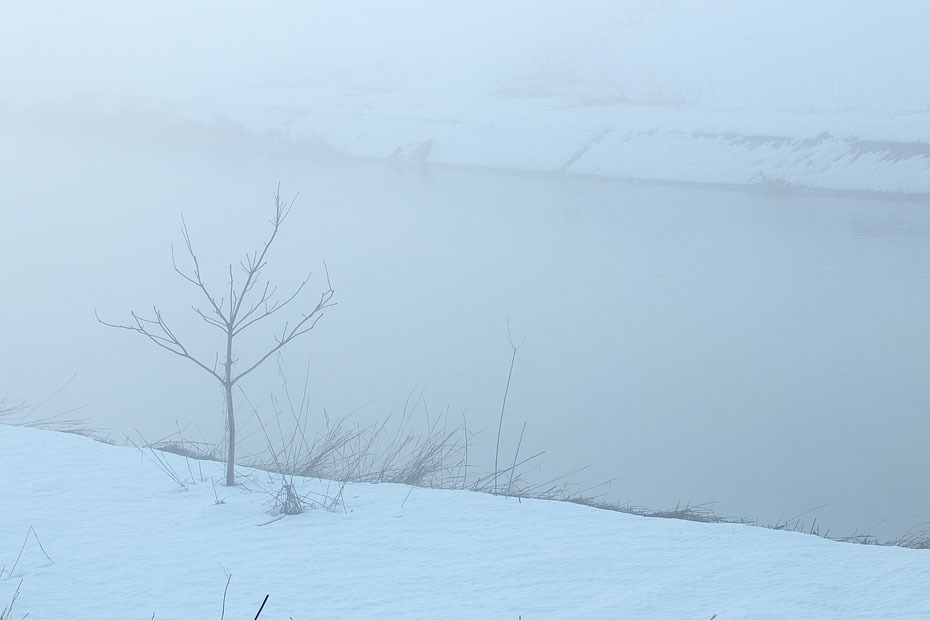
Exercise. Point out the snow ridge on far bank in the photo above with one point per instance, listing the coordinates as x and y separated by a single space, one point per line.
610 142
845 153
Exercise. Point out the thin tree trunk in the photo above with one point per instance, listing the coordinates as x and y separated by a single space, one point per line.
230 414
231 447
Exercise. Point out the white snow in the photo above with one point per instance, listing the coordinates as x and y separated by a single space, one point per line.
126 541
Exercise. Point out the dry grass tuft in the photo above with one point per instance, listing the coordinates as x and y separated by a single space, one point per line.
21 414
7 612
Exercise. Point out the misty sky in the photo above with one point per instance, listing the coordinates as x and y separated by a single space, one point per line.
828 56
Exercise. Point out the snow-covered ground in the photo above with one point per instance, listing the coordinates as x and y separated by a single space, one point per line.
127 542
829 95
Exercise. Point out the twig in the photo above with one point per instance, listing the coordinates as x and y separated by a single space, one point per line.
465 471
228 579
25 540
215 496
159 460
500 425
7 612
516 455
261 608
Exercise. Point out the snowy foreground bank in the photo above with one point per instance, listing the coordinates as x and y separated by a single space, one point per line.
127 541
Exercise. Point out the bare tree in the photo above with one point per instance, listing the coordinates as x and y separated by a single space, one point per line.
245 306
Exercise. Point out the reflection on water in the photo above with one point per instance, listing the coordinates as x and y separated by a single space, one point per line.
768 352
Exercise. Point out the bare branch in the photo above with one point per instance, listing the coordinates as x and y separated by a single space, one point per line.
244 323
166 340
232 296
195 278
307 323
209 320
256 262
267 293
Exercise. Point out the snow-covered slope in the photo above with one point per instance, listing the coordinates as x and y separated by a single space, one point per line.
838 152
828 95
126 541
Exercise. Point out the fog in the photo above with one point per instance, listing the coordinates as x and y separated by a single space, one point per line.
804 58
765 351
